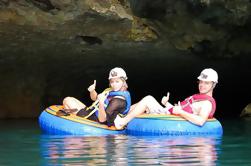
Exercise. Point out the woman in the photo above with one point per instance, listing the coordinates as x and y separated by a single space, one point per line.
113 101
196 108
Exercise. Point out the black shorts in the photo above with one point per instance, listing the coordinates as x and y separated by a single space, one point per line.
85 112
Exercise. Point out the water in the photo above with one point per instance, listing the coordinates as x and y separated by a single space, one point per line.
22 143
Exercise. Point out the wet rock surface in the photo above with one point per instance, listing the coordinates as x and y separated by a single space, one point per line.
246 112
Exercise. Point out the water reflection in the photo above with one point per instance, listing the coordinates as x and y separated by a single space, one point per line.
178 150
128 150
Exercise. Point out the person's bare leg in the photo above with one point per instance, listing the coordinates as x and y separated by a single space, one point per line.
73 103
136 110
132 107
140 107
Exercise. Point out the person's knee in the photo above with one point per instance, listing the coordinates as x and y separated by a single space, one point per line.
148 98
67 100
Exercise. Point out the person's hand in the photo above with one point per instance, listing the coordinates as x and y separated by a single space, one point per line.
177 108
92 87
101 98
165 99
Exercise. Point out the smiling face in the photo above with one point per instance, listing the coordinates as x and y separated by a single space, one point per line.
206 87
116 84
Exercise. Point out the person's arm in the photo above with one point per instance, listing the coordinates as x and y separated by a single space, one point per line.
101 110
199 119
115 107
93 95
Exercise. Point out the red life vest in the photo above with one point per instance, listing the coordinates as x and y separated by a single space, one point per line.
187 103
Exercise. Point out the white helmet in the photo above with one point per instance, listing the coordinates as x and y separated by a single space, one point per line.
117 72
208 75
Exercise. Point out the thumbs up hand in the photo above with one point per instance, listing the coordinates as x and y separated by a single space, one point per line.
92 87
177 108
165 99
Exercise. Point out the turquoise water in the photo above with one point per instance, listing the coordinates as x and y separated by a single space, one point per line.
22 143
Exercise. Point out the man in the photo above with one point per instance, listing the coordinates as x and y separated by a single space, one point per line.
196 108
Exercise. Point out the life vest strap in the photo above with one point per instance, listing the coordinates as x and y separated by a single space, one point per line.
95 104
90 114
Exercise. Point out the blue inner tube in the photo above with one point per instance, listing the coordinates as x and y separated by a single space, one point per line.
143 125
50 123
171 125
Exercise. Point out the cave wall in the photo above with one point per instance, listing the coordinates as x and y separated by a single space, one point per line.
51 49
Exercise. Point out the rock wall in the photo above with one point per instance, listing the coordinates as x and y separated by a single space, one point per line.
54 48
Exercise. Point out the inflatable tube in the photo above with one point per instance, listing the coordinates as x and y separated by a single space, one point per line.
143 125
50 123
171 125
